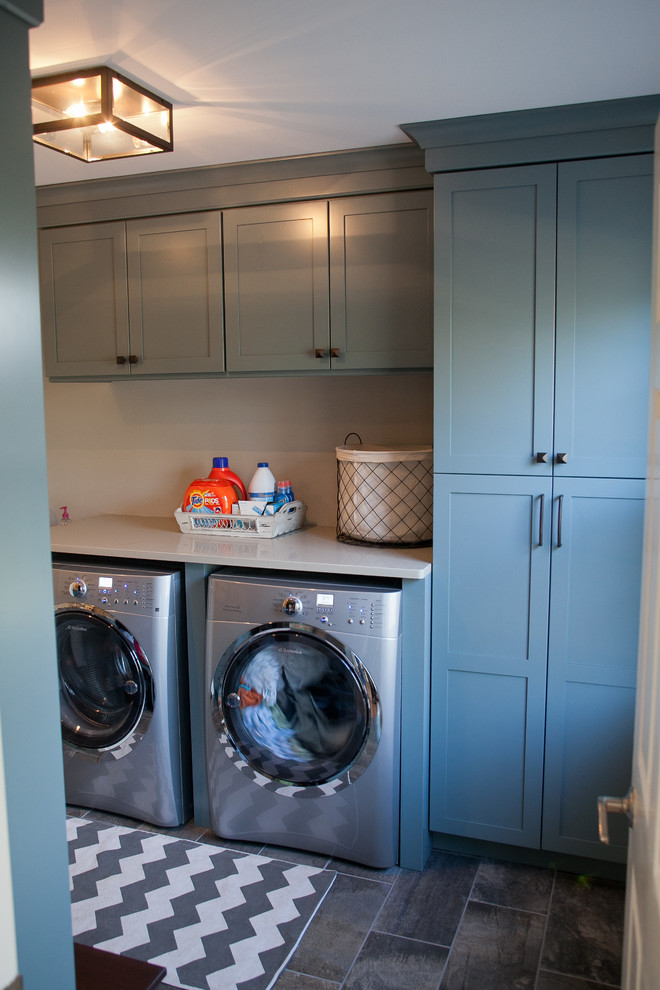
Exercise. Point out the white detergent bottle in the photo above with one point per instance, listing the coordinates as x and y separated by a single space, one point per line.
262 485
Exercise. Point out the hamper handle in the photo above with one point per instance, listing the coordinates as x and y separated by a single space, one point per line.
352 434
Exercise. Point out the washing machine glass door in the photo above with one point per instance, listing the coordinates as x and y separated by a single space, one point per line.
106 683
296 705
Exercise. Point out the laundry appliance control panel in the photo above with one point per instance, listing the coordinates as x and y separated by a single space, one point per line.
113 591
370 611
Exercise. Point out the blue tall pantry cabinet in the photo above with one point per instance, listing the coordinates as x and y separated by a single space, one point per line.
542 329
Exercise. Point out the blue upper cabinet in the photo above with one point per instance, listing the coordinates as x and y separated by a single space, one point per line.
135 298
494 304
498 233
603 316
338 285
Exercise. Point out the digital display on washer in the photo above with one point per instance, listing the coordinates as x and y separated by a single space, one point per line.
324 599
105 582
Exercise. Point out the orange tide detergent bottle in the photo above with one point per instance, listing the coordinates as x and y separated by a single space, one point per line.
217 493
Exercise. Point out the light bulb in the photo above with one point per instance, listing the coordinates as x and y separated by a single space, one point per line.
76 110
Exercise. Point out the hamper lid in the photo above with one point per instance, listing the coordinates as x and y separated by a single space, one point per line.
378 454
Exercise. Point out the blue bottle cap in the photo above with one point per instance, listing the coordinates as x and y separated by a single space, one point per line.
220 462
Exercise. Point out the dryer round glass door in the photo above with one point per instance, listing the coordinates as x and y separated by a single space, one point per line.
106 684
296 705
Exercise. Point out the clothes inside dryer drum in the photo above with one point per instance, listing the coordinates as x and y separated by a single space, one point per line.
294 705
104 679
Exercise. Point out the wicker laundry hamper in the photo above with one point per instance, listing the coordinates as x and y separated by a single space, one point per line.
385 495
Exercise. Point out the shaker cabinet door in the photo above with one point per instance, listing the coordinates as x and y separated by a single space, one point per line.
490 618
276 287
592 660
175 294
605 211
494 305
84 300
381 281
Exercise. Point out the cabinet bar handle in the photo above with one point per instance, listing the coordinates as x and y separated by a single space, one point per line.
560 513
541 512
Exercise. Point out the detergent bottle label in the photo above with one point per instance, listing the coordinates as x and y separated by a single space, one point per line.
209 498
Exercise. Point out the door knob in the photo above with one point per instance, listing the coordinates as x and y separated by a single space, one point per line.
562 458
335 352
541 457
615 806
319 353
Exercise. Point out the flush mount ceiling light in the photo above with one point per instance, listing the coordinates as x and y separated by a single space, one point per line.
95 114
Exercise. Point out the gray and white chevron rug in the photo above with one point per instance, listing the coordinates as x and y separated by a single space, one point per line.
215 918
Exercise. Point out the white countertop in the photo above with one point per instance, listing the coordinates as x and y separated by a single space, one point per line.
312 548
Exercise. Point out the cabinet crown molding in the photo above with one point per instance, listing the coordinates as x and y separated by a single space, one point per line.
220 187
579 130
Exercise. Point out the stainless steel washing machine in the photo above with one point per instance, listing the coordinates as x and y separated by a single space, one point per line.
123 690
303 719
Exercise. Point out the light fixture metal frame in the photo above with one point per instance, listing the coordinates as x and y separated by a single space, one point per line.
106 114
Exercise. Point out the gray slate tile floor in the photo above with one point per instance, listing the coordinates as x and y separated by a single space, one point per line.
464 923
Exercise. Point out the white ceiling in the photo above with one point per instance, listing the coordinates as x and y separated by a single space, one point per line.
253 79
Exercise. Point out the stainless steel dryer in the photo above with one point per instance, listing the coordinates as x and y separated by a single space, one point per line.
123 690
302 724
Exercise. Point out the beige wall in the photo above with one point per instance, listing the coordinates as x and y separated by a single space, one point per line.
133 447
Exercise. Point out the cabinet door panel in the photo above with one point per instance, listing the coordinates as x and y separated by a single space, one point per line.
592 660
175 294
84 300
494 302
381 279
276 287
487 716
490 590
603 315
490 537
